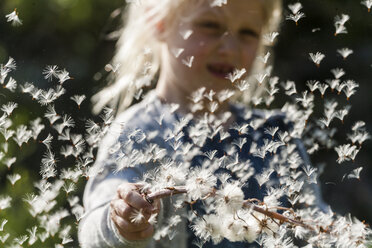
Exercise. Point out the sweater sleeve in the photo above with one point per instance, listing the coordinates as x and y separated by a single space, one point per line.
96 228
314 187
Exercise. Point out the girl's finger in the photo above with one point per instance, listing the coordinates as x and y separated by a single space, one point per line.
127 227
124 210
135 200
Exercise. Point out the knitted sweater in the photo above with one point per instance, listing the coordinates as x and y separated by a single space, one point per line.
138 123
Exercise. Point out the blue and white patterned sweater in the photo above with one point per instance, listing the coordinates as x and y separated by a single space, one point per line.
136 128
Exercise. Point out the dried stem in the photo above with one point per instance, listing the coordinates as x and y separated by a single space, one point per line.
247 204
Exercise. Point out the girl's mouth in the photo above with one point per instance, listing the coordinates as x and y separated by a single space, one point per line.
220 70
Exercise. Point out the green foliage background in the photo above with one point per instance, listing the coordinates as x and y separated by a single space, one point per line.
79 35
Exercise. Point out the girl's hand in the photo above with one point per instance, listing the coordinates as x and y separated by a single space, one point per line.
130 212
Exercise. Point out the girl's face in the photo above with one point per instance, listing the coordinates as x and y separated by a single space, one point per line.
222 39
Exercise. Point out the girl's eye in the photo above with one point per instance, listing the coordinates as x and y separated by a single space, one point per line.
249 33
211 25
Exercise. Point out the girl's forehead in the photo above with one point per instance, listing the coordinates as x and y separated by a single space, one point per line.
233 9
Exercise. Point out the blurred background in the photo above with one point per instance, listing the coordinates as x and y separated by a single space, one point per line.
80 35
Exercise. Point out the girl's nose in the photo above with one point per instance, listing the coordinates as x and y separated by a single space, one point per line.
228 44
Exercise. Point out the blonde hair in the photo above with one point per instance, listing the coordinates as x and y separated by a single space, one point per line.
138 50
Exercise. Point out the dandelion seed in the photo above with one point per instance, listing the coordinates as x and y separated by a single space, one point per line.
200 182
5 202
344 152
152 220
69 187
35 93
177 51
271 131
9 107
349 92
210 95
341 20
197 95
257 100
242 85
206 228
241 129
290 88
78 99
137 216
159 120
260 77
68 121
63 76
22 135
2 224
313 85
213 106
340 87
325 121
333 84
186 33
338 73
354 174
27 87
47 97
358 125
361 137
345 52
43 236
91 126
305 100
50 72
21 239
49 159
309 170
13 178
270 38
4 237
316 58
236 74
51 114
11 85
339 24
342 113
296 17
47 141
210 154
265 58
230 198
9 162
218 3
295 8
13 17
32 239
66 240
176 144
358 137
11 64
315 30
368 4
188 61
113 68
138 94
223 95
322 89
264 177
240 142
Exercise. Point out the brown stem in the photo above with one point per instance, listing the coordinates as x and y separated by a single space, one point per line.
276 215
247 204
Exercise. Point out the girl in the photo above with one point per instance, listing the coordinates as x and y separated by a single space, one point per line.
195 50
